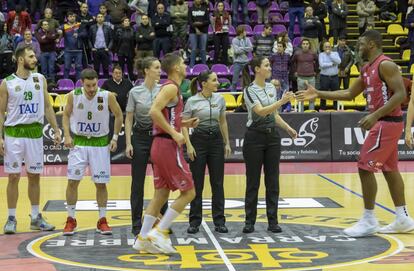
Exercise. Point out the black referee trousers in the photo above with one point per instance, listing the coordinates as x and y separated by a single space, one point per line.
141 142
209 148
261 148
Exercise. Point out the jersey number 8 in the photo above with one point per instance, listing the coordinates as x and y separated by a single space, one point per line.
89 115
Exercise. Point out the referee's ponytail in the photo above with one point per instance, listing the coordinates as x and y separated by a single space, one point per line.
197 82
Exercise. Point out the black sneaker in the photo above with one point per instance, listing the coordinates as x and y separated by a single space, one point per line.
193 229
248 228
221 229
275 228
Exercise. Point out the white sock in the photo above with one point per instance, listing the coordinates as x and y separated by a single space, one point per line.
102 212
149 221
71 210
401 211
12 212
168 219
369 214
35 211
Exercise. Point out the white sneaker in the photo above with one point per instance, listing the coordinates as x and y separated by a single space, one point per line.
161 240
144 244
399 225
363 227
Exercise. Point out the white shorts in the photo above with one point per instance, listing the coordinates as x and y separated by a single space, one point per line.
19 149
97 158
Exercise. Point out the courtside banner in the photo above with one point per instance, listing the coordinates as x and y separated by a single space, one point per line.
312 144
347 137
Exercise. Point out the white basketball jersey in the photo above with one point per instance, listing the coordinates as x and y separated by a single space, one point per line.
26 101
90 117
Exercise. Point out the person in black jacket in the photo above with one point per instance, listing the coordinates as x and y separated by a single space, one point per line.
145 38
161 22
198 19
125 40
100 45
320 11
153 7
86 21
312 28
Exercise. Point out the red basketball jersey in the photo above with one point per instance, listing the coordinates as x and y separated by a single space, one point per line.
378 93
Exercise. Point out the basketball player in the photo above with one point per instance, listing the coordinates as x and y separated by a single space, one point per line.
24 96
87 115
171 172
383 82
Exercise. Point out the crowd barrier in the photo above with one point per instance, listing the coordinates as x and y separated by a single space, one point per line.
325 136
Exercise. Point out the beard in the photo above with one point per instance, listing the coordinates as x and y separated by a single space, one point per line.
29 67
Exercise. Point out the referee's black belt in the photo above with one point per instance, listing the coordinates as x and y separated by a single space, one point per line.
143 132
334 75
213 132
392 118
265 130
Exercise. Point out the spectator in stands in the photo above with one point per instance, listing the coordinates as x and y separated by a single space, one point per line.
107 18
117 9
263 42
125 47
86 21
94 6
101 41
118 85
52 22
280 65
145 38
338 19
296 11
283 38
402 8
63 7
347 60
37 6
280 91
409 23
365 10
235 11
241 47
73 45
312 28
328 63
198 19
320 11
6 51
263 7
220 22
153 7
18 21
387 9
140 7
47 39
28 39
305 66
179 17
161 23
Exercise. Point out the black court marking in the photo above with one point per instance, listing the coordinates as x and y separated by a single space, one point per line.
236 203
299 247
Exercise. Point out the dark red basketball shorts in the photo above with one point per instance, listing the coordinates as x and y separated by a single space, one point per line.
171 171
380 149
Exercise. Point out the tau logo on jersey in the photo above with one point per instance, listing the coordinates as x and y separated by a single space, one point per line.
29 108
37 87
17 88
89 127
100 107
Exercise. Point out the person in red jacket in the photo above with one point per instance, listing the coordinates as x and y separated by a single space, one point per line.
22 23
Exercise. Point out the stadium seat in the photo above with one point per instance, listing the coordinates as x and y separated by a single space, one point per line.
220 69
60 101
224 84
406 55
354 70
396 30
274 6
258 29
412 69
100 82
251 6
249 30
296 41
232 30
278 28
198 68
276 18
52 97
239 100
78 84
65 85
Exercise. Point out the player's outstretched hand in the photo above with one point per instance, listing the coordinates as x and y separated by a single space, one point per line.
287 96
305 95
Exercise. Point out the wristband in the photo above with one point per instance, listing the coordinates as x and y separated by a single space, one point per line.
115 137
